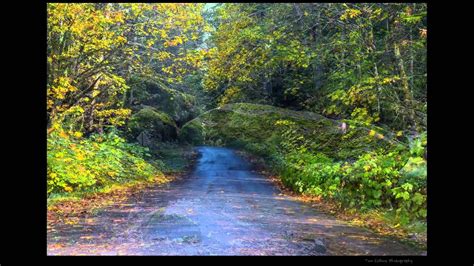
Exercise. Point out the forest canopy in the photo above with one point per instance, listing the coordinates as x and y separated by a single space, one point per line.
361 61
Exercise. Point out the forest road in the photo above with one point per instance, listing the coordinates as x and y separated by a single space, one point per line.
221 208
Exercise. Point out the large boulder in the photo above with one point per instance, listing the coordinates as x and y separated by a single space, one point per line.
262 128
150 125
180 106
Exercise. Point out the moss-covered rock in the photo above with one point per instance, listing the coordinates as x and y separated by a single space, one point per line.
262 129
157 125
180 106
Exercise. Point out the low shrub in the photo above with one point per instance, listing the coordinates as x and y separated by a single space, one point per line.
75 163
377 179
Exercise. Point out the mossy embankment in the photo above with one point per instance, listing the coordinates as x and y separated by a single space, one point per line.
261 128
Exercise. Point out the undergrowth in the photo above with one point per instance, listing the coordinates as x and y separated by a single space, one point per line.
79 164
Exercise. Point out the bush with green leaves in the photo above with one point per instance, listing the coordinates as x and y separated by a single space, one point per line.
392 179
411 195
367 182
308 173
374 180
79 164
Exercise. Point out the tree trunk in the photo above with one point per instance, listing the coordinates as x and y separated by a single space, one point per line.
408 97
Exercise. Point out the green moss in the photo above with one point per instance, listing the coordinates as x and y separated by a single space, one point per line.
252 125
192 133
158 124
179 106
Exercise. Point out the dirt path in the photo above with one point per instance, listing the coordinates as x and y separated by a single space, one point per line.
223 208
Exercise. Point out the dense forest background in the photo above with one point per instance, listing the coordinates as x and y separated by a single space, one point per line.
123 80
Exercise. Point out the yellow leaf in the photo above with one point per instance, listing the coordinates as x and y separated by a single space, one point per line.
77 134
80 157
63 134
70 222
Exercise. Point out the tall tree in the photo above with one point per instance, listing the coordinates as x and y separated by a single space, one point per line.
94 48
